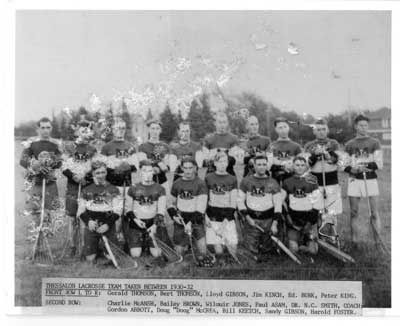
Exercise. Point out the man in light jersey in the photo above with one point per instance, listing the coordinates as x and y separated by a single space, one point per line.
283 151
256 145
184 148
302 194
325 159
189 201
222 201
221 140
99 207
147 211
364 159
260 202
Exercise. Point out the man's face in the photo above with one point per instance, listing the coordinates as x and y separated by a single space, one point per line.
300 167
44 129
221 124
189 170
119 131
261 166
154 131
253 126
221 164
146 174
184 132
362 127
282 129
99 175
321 131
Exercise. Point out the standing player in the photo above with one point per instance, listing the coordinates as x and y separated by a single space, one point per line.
76 167
184 148
147 211
256 145
221 140
365 157
189 201
220 220
283 150
323 158
41 157
99 207
260 202
156 151
302 194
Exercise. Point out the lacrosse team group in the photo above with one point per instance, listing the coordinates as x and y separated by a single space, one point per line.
288 199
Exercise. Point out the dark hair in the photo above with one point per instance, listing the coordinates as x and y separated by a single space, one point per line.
146 162
219 155
44 119
360 117
260 157
156 121
280 119
184 122
85 123
97 164
321 121
188 160
300 158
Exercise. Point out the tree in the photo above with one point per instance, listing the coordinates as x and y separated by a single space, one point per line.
200 118
169 124
149 115
127 118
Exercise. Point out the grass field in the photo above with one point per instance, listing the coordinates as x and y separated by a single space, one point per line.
373 270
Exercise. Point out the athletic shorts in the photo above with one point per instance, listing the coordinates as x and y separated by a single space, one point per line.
356 187
137 237
181 238
92 240
255 240
71 199
333 200
221 233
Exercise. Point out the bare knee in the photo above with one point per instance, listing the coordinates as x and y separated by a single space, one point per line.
218 249
155 252
293 246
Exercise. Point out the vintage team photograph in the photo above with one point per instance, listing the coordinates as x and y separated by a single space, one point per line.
240 145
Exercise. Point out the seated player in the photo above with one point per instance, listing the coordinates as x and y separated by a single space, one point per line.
302 194
99 207
260 203
189 201
148 210
220 220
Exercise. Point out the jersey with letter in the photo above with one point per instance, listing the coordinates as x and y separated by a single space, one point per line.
219 189
146 199
187 193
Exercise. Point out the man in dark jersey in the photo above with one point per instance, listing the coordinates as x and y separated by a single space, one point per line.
76 167
41 157
147 211
189 201
221 140
184 148
325 159
156 151
122 161
302 193
364 159
260 202
256 145
99 207
283 151
222 201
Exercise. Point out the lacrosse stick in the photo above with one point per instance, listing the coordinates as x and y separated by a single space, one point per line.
119 258
169 253
335 252
75 235
335 237
207 261
41 253
279 244
377 237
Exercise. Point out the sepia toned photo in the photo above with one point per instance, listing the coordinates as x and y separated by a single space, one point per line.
227 148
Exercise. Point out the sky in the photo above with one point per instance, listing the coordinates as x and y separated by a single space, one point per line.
315 62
